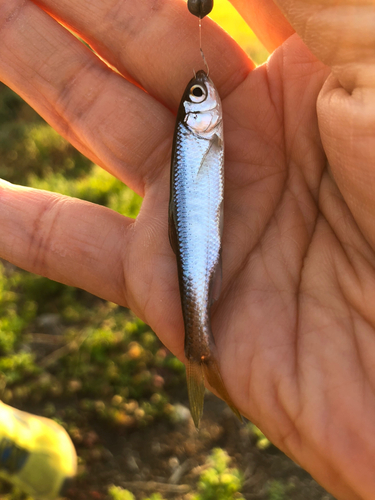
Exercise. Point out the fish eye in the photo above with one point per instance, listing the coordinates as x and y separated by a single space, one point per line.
197 93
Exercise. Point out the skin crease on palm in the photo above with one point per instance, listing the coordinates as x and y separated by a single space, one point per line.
295 322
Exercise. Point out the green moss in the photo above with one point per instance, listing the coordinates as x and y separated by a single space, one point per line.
28 145
117 493
219 482
16 312
18 366
261 441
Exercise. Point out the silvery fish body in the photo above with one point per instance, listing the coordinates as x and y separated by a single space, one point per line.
195 229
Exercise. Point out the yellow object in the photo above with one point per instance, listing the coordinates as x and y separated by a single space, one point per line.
36 454
230 20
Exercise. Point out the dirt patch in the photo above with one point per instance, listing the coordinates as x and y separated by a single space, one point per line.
169 458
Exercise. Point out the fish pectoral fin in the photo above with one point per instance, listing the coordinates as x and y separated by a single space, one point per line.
195 384
172 228
214 147
213 376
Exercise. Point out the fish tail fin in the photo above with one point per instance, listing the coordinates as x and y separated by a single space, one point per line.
213 376
195 384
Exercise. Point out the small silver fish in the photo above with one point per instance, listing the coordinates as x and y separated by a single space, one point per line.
195 230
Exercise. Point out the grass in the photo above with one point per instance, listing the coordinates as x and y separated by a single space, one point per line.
217 482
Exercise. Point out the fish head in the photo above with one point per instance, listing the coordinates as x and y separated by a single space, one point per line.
201 106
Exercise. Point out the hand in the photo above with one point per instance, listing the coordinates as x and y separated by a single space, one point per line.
295 321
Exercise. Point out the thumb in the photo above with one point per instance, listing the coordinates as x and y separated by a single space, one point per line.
341 34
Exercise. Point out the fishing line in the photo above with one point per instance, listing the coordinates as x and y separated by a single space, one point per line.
200 45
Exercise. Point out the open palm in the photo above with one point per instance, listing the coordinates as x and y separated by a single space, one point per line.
294 325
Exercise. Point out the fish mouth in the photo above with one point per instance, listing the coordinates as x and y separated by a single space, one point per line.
201 75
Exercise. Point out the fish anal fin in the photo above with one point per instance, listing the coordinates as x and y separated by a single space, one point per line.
213 376
217 279
195 384
172 228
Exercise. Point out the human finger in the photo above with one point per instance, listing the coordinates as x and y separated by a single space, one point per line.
347 124
340 33
65 239
155 43
127 261
115 123
266 20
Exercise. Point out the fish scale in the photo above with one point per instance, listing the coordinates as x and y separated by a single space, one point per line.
198 200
